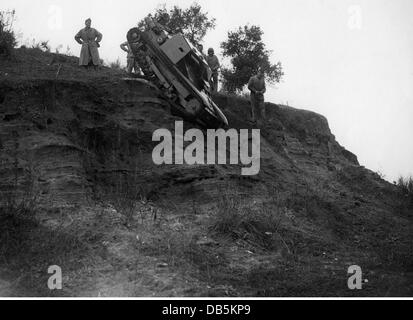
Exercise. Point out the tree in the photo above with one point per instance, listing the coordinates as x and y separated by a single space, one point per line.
248 53
192 22
7 36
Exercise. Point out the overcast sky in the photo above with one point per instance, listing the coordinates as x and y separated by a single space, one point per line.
351 61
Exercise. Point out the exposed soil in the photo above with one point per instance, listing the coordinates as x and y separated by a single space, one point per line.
76 155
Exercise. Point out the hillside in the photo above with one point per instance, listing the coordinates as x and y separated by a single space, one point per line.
76 154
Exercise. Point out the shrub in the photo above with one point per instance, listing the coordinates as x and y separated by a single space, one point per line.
42 45
68 51
406 185
116 65
7 36
405 193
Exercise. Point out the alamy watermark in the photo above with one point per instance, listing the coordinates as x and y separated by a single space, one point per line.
171 149
55 19
355 281
55 280
355 19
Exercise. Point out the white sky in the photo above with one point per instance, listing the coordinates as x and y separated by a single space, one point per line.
351 61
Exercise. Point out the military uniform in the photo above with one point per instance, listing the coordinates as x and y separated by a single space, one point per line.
213 63
131 60
257 87
89 38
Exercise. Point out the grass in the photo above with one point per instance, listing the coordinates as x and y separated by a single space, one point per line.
406 185
260 226
17 217
28 248
130 198
19 207
42 45
180 251
116 65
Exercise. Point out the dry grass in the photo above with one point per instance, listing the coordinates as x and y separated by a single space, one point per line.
260 226
406 189
27 249
406 185
116 65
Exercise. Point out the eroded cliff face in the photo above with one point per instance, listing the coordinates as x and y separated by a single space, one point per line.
83 139
70 138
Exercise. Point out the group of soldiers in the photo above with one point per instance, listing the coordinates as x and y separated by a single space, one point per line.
89 38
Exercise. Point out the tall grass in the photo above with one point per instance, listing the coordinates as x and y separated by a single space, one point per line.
116 65
259 225
406 185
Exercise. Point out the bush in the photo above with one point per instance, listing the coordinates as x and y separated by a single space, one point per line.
7 37
116 65
406 185
42 45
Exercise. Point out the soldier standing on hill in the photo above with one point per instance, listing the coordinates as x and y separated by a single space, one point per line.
213 63
89 38
131 61
257 87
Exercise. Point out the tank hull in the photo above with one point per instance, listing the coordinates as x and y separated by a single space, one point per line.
180 71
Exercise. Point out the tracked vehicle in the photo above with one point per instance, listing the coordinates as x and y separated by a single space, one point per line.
179 71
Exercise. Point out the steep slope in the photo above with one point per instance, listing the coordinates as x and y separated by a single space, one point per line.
77 145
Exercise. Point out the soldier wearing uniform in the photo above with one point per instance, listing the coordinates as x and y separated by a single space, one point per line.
132 65
256 85
89 38
213 63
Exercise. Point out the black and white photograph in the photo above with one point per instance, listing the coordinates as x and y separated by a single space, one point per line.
208 149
